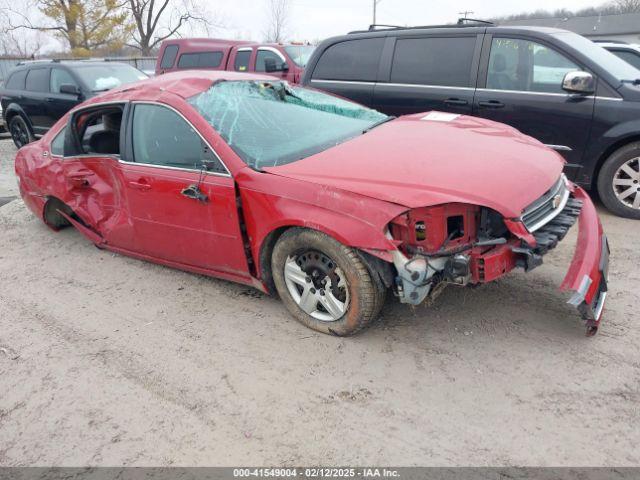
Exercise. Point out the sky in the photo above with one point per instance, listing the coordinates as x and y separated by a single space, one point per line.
318 19
314 20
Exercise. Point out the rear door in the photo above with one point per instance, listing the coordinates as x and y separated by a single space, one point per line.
349 68
434 72
521 80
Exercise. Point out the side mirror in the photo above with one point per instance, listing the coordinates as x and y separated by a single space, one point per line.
285 67
579 82
70 89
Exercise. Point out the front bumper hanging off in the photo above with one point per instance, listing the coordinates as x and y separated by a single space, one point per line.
588 274
586 277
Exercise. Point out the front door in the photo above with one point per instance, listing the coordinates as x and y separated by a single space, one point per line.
524 89
170 222
59 103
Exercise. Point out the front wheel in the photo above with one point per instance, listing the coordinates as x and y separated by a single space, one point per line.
324 284
619 181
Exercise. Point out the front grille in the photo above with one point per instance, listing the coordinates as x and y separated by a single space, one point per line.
547 207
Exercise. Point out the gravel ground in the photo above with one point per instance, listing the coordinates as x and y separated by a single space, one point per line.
106 360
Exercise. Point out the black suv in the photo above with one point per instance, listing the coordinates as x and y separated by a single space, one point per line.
36 94
554 85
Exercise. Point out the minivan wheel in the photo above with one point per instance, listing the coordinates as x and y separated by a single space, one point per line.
20 132
324 284
619 181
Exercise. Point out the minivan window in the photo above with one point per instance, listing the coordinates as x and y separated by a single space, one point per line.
38 80
434 61
351 60
16 80
241 63
526 66
200 60
606 60
169 56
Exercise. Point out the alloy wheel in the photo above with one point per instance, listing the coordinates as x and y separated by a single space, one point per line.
626 183
317 285
19 134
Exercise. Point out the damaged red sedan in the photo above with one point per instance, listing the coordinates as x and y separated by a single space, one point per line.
314 198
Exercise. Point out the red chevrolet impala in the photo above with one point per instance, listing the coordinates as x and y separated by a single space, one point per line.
319 200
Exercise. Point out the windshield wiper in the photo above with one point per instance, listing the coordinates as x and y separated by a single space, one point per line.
378 123
632 82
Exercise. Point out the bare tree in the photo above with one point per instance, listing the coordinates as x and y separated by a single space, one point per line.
627 6
277 20
157 20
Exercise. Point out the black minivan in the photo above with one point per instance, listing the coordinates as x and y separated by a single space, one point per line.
554 85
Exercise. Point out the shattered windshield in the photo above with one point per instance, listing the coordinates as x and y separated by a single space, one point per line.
271 123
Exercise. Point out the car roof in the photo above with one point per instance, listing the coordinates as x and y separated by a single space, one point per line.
221 43
184 83
466 28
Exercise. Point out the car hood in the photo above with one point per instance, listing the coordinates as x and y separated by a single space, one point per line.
433 158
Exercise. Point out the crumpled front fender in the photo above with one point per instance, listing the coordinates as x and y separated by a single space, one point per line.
588 272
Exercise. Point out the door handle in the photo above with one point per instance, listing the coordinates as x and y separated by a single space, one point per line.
49 99
142 185
456 101
491 104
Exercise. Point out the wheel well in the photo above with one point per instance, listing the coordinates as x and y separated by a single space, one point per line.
266 250
52 217
376 267
608 152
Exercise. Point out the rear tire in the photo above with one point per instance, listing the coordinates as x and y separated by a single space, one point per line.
619 181
311 270
20 131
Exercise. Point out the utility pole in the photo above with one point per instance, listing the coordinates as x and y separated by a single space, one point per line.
465 13
375 4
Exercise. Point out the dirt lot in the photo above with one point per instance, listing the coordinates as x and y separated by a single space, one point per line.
105 360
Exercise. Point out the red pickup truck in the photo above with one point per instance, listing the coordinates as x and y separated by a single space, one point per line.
285 61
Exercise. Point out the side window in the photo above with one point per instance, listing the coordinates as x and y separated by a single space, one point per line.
162 137
241 63
434 61
200 60
350 60
38 80
263 55
60 77
169 56
526 66
57 145
16 80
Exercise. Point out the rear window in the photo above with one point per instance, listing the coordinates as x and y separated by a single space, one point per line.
169 56
38 80
350 60
16 80
200 60
241 63
433 61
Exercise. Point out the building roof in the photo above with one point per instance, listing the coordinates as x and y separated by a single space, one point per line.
627 23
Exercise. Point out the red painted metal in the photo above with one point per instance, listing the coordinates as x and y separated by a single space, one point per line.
351 192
